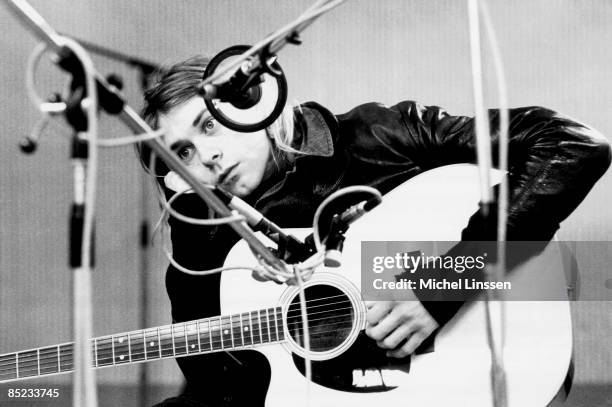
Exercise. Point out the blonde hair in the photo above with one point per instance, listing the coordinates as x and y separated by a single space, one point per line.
177 83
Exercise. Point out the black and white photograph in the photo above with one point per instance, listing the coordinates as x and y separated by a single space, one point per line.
305 203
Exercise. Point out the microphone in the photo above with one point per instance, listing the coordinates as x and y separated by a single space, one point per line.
242 90
252 98
289 249
334 242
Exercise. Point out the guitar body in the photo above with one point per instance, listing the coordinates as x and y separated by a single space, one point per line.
455 370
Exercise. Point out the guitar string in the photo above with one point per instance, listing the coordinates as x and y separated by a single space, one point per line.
106 353
165 327
108 350
34 369
167 340
165 344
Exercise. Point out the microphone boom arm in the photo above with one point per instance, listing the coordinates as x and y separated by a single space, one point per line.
274 42
33 20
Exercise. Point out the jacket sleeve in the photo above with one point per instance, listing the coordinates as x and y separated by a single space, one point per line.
554 161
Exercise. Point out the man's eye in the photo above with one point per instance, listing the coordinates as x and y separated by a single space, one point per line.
208 124
186 153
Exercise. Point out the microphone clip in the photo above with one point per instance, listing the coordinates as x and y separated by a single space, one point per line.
334 242
246 89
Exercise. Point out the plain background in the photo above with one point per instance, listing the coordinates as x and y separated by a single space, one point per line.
556 54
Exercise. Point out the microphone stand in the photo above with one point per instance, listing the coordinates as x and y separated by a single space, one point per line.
144 247
145 70
144 67
495 331
84 388
113 103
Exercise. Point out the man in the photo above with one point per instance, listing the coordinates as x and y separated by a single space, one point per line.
287 170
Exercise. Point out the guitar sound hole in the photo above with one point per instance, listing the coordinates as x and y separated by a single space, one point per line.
330 318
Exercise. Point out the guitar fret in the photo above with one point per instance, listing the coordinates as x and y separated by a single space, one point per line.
119 356
113 347
238 340
28 362
129 348
137 350
199 339
58 358
103 346
241 330
245 327
38 361
255 327
192 338
226 341
9 366
159 343
231 329
215 334
50 357
66 362
144 344
272 325
279 318
210 334
151 352
186 339
265 330
95 349
179 339
250 327
204 336
166 341
173 345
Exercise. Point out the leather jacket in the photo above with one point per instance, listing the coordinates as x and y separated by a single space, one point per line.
553 163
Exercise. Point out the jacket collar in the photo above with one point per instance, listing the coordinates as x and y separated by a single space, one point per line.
314 130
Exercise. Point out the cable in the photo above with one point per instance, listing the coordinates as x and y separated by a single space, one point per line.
30 82
502 219
318 260
52 108
197 221
305 330
203 272
504 125
498 379
128 140
330 198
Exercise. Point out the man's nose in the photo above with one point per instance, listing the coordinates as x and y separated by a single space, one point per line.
211 157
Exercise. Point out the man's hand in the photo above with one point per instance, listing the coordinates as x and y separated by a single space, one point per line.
392 322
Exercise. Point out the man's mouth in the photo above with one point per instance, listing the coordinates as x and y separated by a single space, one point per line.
227 175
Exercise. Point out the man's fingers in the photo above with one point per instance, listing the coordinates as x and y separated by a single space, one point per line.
384 327
410 346
377 310
396 337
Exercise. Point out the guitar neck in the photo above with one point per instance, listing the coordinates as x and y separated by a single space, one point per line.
229 332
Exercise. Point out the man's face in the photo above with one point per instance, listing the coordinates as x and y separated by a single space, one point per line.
215 154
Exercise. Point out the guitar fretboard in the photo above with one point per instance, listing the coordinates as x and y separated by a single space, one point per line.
229 332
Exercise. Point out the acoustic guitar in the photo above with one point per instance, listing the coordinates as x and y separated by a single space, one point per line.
348 369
